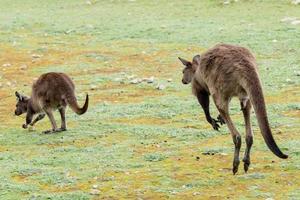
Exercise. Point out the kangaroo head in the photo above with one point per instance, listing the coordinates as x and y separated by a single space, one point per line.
189 69
21 106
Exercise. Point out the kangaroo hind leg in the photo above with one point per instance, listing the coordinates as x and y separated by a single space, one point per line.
223 107
246 108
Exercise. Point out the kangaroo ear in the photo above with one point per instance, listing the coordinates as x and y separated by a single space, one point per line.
185 62
20 97
196 59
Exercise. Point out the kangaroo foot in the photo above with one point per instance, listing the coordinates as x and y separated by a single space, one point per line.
246 164
235 166
61 129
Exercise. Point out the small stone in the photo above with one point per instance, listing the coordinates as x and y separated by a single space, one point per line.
88 2
274 41
160 87
289 80
94 192
23 67
93 87
149 80
135 81
6 65
36 56
226 2
296 2
297 73
288 19
69 31
196 193
295 22
95 186
8 83
269 199
169 80
118 79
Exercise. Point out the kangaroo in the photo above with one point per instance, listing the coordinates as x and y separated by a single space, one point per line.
51 91
225 71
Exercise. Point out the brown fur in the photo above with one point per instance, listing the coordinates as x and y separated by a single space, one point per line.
51 91
223 72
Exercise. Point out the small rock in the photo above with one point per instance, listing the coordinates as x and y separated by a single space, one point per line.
196 193
288 19
35 56
169 80
160 87
88 2
135 81
269 199
6 65
226 2
8 83
274 41
296 2
118 79
94 192
149 80
289 80
95 186
23 67
131 76
297 73
93 87
69 31
295 22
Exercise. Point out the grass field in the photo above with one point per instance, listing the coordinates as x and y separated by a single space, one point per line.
137 142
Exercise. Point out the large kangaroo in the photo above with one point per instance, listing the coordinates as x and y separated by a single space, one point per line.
223 72
51 91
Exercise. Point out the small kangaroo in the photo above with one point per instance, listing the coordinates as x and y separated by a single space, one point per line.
223 72
51 91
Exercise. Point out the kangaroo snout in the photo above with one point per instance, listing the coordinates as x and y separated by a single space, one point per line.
184 82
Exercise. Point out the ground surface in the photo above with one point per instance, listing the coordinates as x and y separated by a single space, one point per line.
136 142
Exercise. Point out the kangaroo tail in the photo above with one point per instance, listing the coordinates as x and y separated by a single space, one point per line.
254 90
72 101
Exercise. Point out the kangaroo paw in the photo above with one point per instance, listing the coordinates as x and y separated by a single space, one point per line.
215 124
221 120
235 166
246 164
